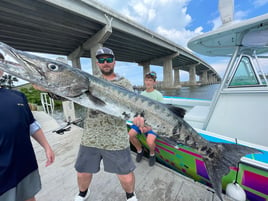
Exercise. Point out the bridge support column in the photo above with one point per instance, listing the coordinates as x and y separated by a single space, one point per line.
93 50
210 78
168 73
93 44
214 79
76 62
176 77
146 69
204 77
192 72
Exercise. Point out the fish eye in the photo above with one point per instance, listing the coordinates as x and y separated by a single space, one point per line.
53 67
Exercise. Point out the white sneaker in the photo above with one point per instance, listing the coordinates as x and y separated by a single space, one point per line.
133 198
79 198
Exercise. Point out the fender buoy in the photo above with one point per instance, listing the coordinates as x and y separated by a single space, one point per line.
235 191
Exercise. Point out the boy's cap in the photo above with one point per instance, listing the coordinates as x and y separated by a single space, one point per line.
151 74
104 51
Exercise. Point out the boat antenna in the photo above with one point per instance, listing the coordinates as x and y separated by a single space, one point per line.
236 176
226 9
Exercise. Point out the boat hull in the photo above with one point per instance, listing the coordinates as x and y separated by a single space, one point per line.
252 178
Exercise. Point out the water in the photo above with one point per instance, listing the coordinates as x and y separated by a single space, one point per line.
199 92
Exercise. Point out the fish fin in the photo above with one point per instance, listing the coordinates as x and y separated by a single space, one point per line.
95 99
176 110
229 156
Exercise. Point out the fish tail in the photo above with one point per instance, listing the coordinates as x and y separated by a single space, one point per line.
228 156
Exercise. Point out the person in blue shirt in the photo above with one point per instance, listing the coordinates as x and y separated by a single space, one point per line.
19 176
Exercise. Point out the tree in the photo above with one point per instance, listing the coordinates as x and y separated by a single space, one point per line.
32 95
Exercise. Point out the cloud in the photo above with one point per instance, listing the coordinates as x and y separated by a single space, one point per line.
260 3
151 13
167 13
144 11
219 64
238 16
216 23
171 15
141 11
180 37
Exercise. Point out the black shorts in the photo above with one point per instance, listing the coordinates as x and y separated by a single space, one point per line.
114 161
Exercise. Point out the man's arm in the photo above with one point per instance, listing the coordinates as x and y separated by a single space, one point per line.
41 139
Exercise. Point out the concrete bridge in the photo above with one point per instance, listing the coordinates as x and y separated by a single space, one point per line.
78 28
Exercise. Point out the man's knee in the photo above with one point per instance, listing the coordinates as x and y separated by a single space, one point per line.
150 143
83 175
132 133
127 178
150 140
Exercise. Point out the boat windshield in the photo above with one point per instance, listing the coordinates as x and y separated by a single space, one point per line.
244 74
248 72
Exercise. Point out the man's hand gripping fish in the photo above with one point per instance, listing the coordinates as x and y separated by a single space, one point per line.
99 94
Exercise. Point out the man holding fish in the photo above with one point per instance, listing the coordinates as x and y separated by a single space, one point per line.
105 138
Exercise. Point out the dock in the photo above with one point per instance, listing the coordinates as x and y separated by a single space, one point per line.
157 183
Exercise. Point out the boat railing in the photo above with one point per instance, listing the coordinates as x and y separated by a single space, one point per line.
260 70
47 103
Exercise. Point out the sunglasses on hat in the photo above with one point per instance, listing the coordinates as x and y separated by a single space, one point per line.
151 74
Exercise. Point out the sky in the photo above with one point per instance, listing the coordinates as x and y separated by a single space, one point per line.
178 21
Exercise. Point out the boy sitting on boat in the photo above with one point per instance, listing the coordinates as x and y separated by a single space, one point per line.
150 92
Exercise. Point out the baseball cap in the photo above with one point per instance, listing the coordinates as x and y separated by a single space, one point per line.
151 74
104 51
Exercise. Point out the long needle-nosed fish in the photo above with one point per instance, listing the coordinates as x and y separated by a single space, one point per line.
99 94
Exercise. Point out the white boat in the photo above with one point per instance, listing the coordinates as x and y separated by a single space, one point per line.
239 109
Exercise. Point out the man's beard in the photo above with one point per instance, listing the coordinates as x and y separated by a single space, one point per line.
110 72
